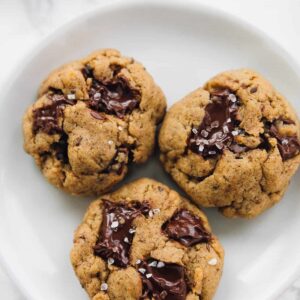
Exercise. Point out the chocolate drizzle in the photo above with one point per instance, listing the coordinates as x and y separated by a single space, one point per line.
113 97
218 127
288 146
45 118
116 232
163 281
186 228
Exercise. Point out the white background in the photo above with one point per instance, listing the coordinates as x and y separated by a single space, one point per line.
23 23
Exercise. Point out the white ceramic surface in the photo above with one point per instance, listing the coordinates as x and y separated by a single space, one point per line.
182 45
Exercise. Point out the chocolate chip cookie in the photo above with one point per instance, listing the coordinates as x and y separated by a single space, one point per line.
145 241
233 144
92 118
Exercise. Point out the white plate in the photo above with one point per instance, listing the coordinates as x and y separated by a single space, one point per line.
182 45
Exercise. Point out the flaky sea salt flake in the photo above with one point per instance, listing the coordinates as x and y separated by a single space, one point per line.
212 262
71 96
104 286
160 264
114 224
142 270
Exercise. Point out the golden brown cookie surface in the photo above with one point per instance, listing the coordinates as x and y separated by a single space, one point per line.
144 241
233 144
92 117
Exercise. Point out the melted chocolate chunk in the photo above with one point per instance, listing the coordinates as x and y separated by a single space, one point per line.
288 146
218 127
61 148
163 280
186 228
113 98
116 232
45 118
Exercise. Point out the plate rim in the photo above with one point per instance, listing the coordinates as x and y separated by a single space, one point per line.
108 7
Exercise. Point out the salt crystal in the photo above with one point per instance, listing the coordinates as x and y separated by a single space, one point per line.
110 261
110 142
104 286
142 270
114 224
212 152
160 264
285 142
71 96
232 97
194 130
212 262
148 275
153 264
126 240
131 230
201 148
151 214
138 261
235 132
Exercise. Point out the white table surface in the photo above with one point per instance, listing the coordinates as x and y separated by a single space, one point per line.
23 23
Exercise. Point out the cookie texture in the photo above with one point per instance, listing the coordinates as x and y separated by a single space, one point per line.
233 144
91 119
145 241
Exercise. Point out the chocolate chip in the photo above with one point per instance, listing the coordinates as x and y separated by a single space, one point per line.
61 148
288 121
218 127
45 118
186 228
253 90
97 115
168 282
115 97
115 236
288 146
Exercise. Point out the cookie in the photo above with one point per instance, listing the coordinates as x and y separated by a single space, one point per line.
92 118
145 241
233 144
